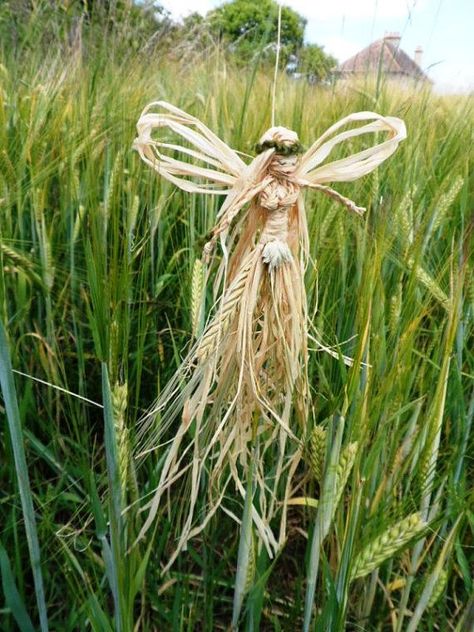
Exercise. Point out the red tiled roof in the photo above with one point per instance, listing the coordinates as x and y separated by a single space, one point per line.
386 56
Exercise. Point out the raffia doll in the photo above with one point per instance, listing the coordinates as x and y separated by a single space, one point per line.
242 389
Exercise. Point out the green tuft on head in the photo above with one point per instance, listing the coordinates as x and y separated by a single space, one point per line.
280 148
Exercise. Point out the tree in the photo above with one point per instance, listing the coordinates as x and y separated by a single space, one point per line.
248 25
314 62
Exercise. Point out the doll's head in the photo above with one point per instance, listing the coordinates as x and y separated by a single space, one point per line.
284 141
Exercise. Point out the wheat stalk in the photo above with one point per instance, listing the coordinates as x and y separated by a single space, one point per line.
470 288
316 452
395 309
387 545
406 228
341 239
375 188
113 349
228 309
404 215
252 563
15 257
445 202
197 288
8 170
327 221
427 280
438 588
119 405
344 467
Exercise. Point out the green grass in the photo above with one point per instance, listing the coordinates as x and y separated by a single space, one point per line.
97 255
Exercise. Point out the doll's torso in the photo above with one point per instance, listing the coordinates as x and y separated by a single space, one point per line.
277 198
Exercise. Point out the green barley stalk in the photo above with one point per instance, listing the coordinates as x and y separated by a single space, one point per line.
20 262
344 468
387 545
406 229
119 405
111 185
375 188
445 202
324 514
436 581
8 170
252 563
17 258
132 218
341 239
327 221
404 214
470 288
113 548
427 280
78 223
431 452
395 309
114 350
316 452
438 588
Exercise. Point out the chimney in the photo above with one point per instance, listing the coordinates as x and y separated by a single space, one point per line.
394 38
418 55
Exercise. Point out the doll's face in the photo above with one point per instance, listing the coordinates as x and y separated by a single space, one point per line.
284 141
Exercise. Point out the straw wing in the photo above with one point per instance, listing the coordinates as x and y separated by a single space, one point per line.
312 172
201 163
214 167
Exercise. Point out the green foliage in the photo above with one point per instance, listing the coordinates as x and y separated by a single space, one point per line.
248 25
127 25
314 62
96 272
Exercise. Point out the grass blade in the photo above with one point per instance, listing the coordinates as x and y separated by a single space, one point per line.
243 555
12 596
7 385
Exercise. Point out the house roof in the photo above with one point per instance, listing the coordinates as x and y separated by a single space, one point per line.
384 54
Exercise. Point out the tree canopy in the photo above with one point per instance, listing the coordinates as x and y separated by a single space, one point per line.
314 62
251 27
247 29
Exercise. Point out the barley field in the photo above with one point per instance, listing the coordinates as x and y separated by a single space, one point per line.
97 256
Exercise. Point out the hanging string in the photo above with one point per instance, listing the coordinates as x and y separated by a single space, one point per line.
277 60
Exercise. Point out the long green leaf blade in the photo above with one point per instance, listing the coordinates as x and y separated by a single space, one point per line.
7 385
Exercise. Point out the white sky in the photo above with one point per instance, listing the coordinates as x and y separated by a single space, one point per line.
443 28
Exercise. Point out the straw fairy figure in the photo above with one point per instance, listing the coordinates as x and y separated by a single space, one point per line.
244 382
